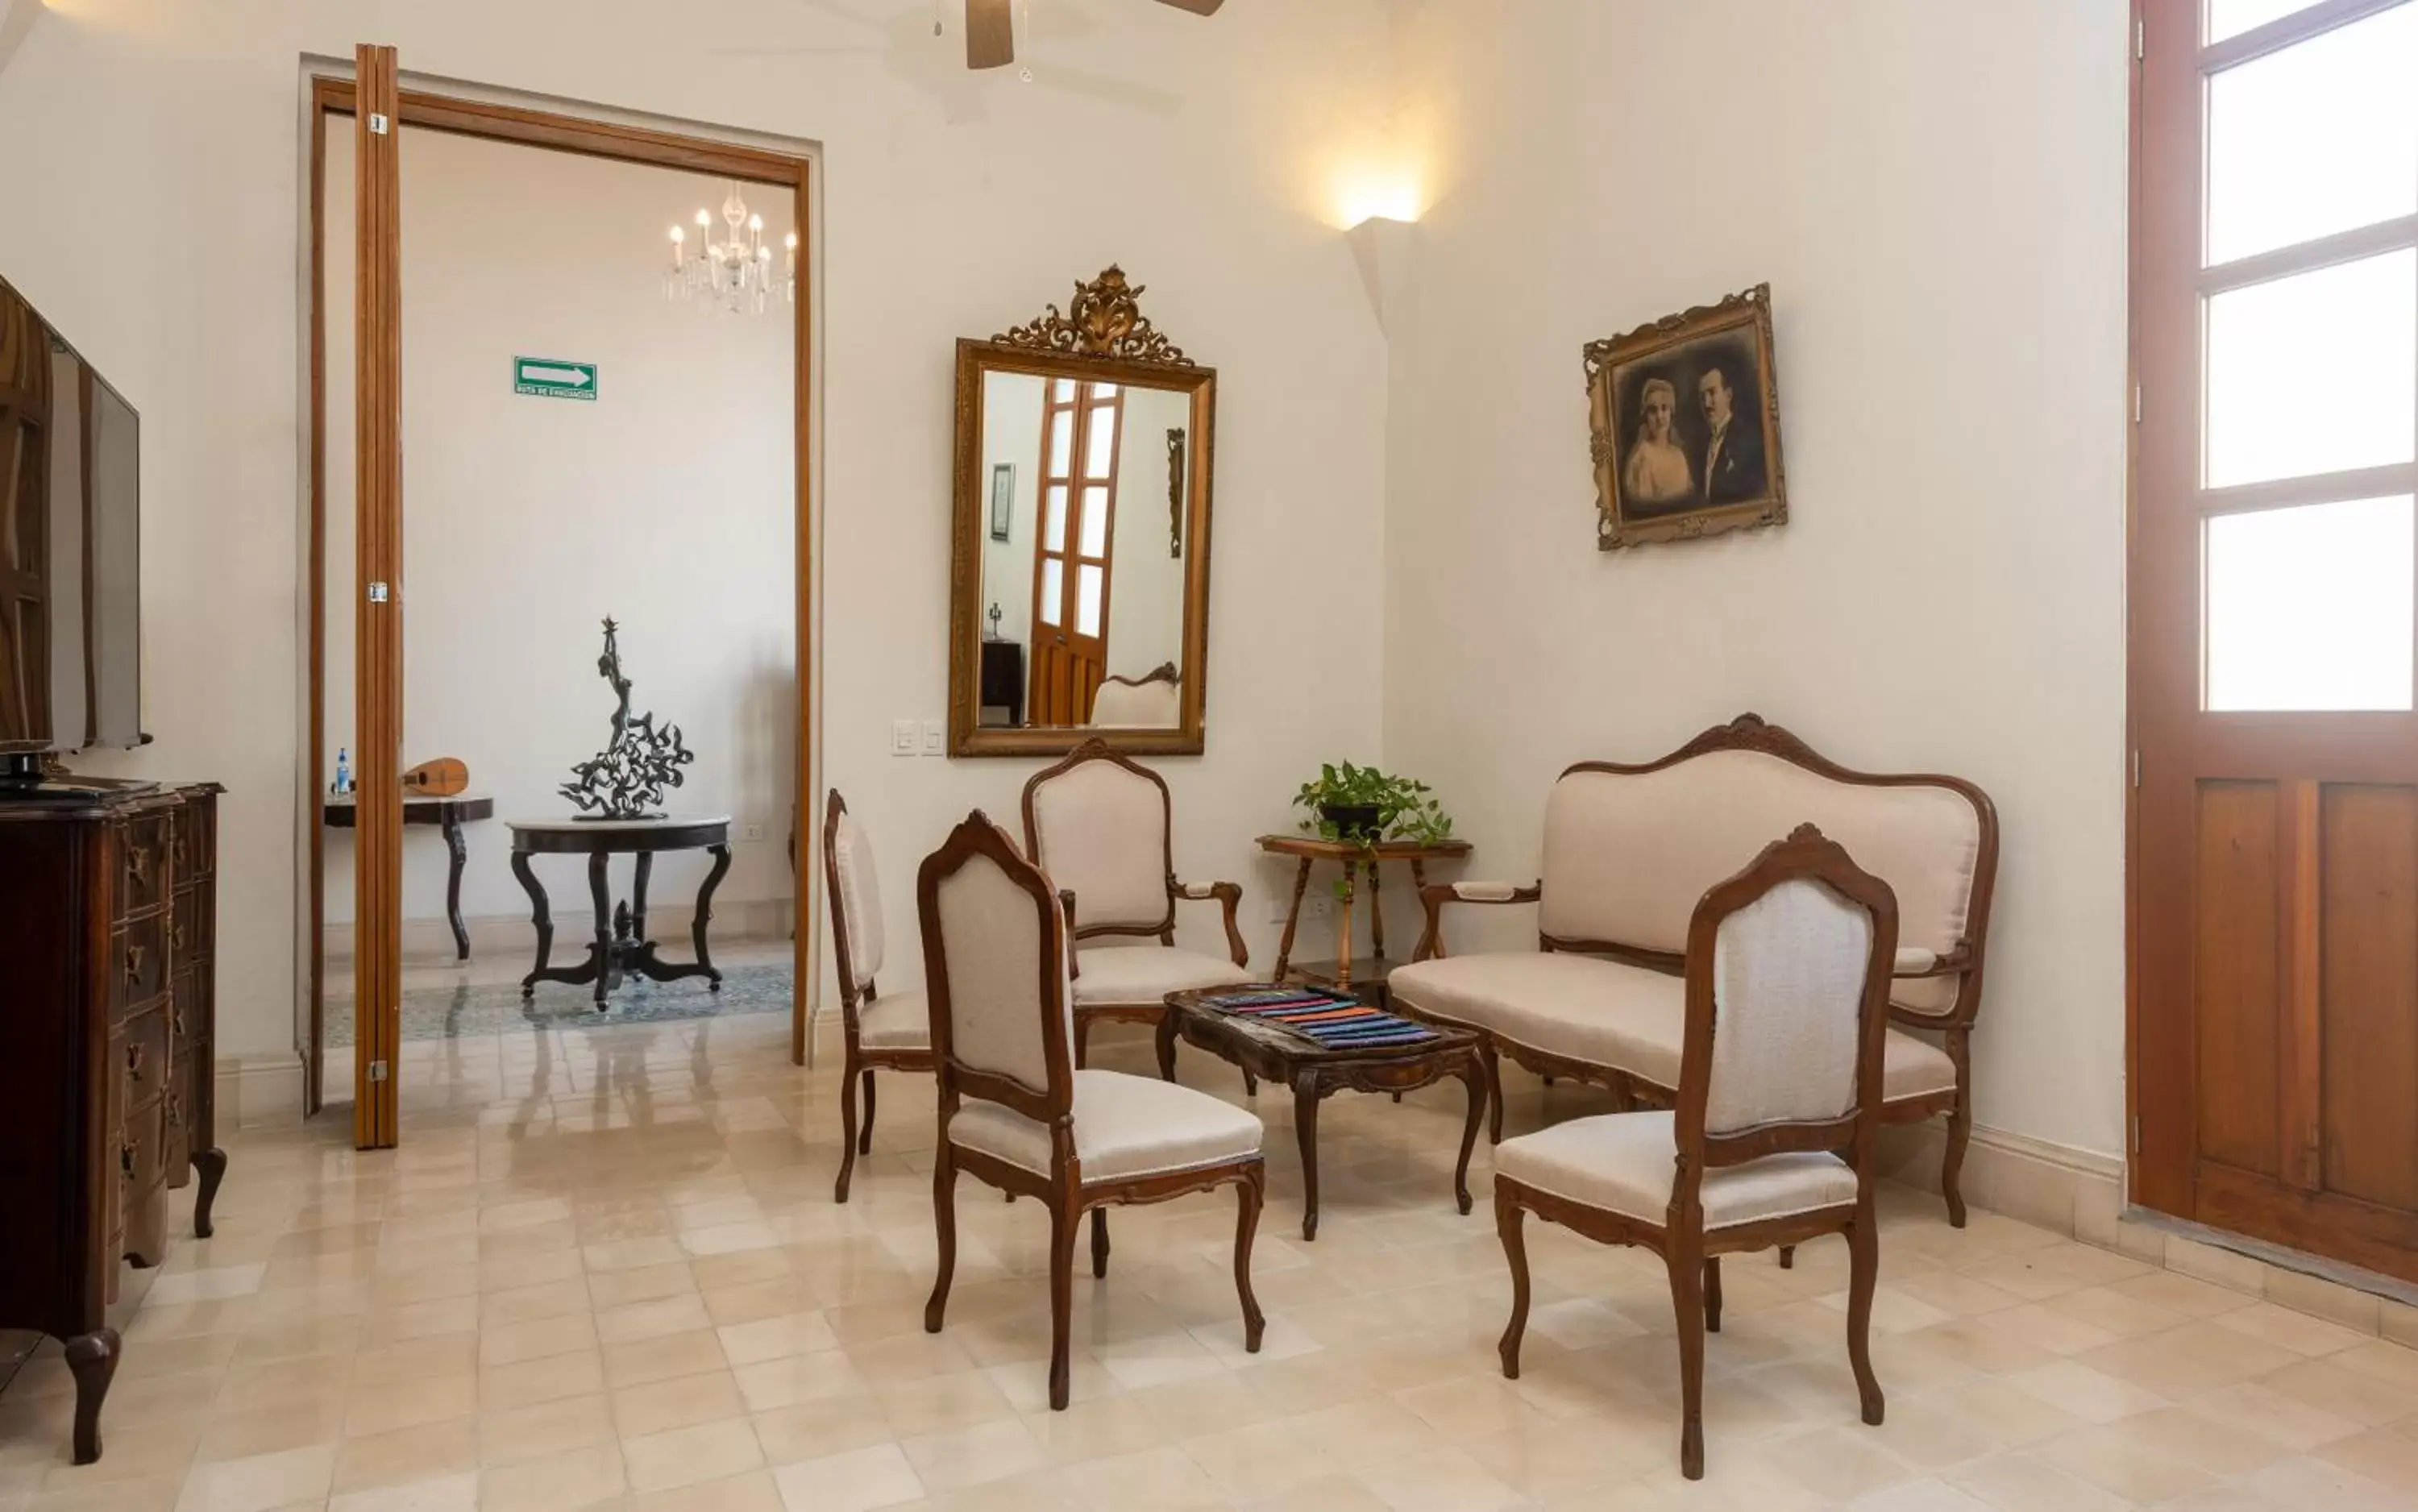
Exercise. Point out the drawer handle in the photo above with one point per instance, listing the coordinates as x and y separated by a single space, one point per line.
175 1111
176 934
176 1025
138 865
134 963
126 1158
135 1061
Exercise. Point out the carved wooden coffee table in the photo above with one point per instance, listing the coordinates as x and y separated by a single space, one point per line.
1274 1053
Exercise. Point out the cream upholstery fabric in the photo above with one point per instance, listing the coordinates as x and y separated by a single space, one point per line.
1147 706
1914 959
1934 995
1605 1013
1912 1067
991 945
860 898
1625 1163
1122 975
1125 1127
895 1021
1788 980
1601 1012
1101 832
1626 855
1485 891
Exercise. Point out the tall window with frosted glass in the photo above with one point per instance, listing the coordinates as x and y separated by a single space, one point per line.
2309 320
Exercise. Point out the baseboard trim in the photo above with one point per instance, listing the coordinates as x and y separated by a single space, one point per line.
253 1090
512 938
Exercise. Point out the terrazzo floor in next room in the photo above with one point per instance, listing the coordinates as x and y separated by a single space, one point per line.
606 1269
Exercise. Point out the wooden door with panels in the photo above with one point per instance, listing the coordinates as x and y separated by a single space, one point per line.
1081 424
2274 876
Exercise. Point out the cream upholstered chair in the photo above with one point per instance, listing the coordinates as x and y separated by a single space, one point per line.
1788 1002
1017 1113
1102 826
1154 701
891 1031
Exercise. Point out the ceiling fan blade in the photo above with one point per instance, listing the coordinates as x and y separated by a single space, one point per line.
991 33
1199 8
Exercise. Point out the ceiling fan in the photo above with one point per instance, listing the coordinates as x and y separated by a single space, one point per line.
990 29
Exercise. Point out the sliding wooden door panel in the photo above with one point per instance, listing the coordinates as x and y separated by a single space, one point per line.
377 583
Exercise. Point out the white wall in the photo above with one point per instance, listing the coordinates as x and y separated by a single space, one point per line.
164 232
667 503
1011 404
1146 584
1936 195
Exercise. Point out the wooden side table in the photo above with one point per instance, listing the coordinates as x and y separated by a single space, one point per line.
1309 849
1316 1072
622 944
449 815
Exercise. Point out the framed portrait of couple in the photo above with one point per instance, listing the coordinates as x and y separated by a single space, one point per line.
1686 420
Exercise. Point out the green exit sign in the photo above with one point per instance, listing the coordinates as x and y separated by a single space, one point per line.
548 378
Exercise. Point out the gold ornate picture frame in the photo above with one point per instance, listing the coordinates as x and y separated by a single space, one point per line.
1103 338
1685 421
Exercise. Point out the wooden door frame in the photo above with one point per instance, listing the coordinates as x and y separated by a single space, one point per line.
334 94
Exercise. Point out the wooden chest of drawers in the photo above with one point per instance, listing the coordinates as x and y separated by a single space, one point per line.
108 911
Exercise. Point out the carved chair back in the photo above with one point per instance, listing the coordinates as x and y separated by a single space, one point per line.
1154 701
1101 824
1629 847
1788 1011
855 889
995 973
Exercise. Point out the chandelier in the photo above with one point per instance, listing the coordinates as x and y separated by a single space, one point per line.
735 272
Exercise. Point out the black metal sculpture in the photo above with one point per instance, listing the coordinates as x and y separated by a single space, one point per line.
626 780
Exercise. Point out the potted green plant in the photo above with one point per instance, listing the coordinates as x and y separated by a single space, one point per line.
1363 806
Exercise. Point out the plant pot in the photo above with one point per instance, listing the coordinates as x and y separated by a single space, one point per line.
1363 823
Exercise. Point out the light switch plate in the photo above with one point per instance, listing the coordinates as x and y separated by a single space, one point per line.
751 830
935 737
902 737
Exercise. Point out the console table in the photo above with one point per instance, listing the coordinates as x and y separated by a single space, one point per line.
1310 850
449 815
621 944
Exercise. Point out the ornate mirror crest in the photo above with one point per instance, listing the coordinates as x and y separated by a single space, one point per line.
1104 320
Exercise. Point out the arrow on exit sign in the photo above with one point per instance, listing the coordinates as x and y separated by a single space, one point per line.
548 378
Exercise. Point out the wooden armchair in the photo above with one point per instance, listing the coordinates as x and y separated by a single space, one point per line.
1788 966
893 1032
1016 1112
1102 826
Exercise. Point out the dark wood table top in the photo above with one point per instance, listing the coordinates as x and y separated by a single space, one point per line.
1297 1049
1313 847
574 836
418 808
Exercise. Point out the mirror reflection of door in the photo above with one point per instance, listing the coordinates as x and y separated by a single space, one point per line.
1084 586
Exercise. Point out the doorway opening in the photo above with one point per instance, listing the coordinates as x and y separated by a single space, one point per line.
588 435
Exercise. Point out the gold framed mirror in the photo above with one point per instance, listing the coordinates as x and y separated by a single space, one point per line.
1078 585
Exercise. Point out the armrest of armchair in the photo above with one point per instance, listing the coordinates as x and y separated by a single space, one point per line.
1074 956
1229 894
1436 895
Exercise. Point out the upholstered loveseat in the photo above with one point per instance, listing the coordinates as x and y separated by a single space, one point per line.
1628 850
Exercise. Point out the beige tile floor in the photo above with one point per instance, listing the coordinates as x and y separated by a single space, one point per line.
606 1268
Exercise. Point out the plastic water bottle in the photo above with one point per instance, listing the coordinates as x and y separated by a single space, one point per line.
343 773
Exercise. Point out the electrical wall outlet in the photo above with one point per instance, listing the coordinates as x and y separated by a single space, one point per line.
751 830
903 737
935 737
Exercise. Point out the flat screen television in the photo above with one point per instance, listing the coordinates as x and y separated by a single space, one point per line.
70 527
